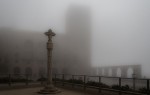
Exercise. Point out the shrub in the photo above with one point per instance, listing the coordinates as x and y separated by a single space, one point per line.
124 88
7 80
97 84
92 83
117 87
42 79
77 81
143 90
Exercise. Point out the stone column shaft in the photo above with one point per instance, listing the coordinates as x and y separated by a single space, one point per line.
49 64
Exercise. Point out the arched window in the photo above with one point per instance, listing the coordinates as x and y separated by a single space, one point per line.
28 71
17 70
28 43
130 73
110 72
42 72
65 71
118 72
103 71
54 71
97 71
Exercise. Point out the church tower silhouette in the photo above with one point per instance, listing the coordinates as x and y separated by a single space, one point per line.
78 40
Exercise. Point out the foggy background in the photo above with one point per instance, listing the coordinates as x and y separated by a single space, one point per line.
119 31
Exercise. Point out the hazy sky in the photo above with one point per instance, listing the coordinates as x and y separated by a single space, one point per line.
120 28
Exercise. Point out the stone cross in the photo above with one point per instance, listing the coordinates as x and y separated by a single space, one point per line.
49 88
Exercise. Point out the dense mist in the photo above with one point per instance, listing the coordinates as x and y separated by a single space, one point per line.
89 33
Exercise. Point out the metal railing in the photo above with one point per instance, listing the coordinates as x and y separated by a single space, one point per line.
115 84
120 85
12 79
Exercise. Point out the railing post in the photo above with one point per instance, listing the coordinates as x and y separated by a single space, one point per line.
27 79
120 86
55 79
9 76
148 87
42 79
134 84
63 77
99 84
72 80
84 82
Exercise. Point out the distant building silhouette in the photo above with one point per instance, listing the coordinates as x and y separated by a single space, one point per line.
25 52
126 71
22 52
76 54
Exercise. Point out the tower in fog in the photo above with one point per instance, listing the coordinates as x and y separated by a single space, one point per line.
78 40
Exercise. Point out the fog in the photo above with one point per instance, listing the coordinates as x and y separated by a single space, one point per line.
118 30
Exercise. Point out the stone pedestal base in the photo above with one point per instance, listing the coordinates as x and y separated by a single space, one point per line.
49 89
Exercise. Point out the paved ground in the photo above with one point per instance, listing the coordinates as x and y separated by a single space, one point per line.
33 91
